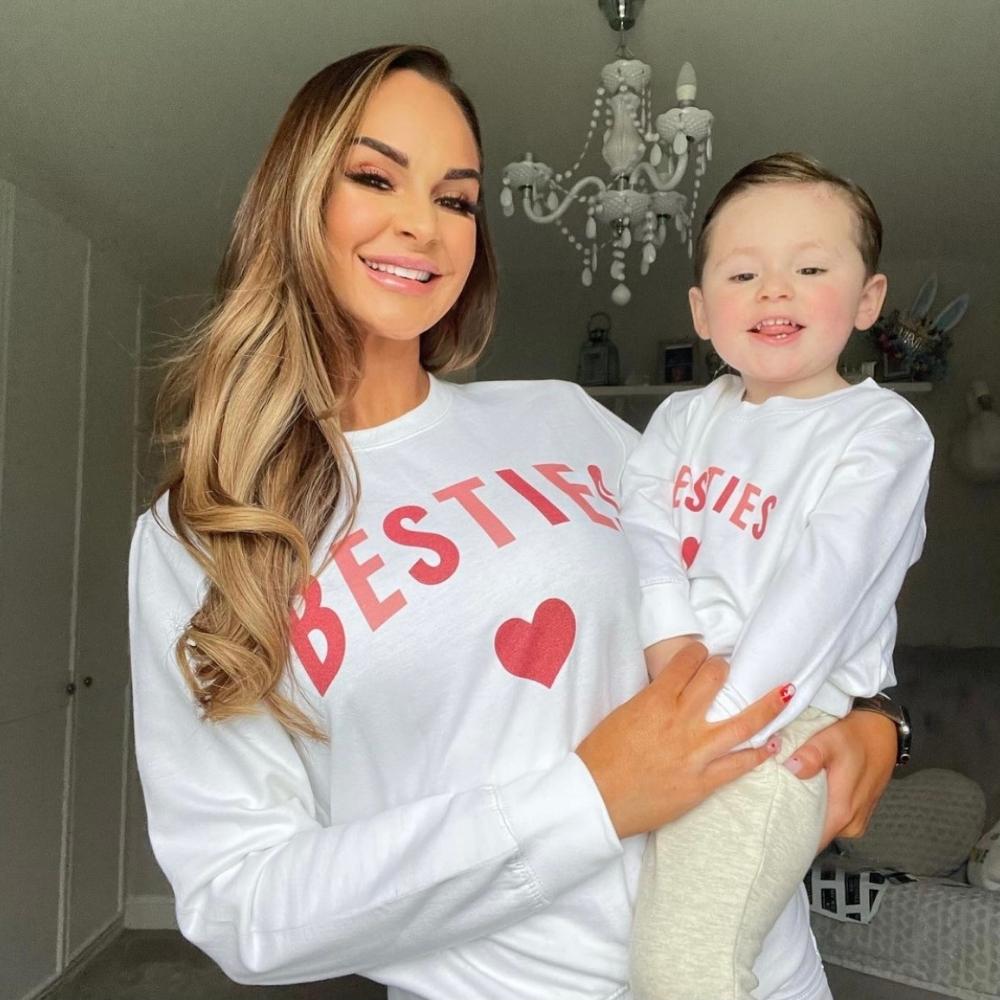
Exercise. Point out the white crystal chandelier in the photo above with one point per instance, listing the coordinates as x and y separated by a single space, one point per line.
640 198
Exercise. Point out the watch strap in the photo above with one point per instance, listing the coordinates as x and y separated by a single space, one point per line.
882 704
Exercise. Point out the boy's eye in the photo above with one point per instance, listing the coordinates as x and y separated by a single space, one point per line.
460 204
812 270
743 276
370 178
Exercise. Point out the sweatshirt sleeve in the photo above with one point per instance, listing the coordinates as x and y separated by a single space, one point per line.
648 520
276 895
840 582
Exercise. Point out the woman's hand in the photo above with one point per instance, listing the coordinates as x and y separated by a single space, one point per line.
859 754
655 757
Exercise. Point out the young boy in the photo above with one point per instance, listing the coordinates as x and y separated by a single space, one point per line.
774 516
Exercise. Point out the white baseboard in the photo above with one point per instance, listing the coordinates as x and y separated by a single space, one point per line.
150 913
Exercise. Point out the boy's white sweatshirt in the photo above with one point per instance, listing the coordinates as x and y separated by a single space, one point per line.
477 622
780 532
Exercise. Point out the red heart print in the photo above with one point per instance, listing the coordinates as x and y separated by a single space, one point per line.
689 549
537 650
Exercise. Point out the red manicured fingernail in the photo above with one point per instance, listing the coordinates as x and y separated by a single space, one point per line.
774 744
793 764
787 692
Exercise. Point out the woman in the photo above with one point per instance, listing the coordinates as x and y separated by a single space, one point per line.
400 796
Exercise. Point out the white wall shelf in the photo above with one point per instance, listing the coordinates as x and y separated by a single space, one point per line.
660 391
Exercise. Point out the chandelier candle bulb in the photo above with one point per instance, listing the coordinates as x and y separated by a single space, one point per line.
687 85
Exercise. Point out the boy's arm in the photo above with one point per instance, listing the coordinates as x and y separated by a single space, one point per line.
840 582
661 653
648 519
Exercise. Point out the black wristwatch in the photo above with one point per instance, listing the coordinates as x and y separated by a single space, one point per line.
883 705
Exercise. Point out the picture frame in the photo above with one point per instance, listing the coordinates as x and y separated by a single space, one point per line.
894 369
675 362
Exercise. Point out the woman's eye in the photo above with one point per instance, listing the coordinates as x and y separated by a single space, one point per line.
459 204
369 178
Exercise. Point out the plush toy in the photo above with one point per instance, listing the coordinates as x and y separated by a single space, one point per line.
975 452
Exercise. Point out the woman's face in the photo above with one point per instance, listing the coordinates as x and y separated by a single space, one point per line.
401 217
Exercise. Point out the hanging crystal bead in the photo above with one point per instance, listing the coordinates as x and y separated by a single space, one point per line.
621 295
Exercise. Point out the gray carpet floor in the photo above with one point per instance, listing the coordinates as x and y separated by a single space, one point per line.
161 965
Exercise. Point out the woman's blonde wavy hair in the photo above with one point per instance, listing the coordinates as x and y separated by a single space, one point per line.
252 405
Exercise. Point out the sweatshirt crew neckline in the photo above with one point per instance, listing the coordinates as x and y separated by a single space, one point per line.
785 403
420 418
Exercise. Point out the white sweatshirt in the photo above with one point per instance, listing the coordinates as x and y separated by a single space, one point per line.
780 533
476 624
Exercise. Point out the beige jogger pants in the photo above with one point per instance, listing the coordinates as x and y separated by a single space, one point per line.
714 881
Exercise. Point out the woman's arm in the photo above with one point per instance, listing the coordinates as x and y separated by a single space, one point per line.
859 754
275 892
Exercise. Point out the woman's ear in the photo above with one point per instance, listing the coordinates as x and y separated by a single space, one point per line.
697 303
871 301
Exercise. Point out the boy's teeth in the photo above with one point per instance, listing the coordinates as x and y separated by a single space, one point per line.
401 272
777 328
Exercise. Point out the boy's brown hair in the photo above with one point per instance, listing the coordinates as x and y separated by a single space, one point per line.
795 168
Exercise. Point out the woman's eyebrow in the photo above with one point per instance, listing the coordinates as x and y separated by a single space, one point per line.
386 150
461 173
455 174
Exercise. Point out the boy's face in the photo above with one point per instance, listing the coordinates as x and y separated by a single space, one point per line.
783 287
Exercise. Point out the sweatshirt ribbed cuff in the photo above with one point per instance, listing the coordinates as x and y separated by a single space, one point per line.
665 612
561 825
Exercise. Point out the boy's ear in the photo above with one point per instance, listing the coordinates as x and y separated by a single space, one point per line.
871 301
697 303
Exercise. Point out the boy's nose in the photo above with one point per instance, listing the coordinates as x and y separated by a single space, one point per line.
775 286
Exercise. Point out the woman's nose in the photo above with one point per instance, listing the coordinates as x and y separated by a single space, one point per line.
417 219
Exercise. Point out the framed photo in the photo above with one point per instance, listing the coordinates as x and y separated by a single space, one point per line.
894 369
676 362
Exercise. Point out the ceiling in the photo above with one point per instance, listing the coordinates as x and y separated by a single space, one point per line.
140 120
